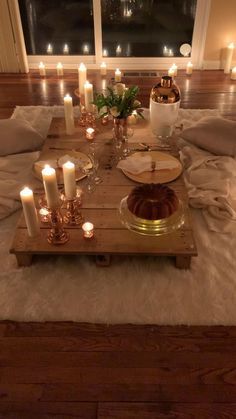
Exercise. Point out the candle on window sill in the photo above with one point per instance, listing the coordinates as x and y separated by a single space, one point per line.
65 49
103 69
105 53
49 49
42 69
118 50
50 186
85 49
69 179
88 96
233 73
189 68
82 73
117 75
228 58
30 213
88 230
90 134
165 51
60 71
69 115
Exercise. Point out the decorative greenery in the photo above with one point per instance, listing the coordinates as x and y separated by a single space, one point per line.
119 101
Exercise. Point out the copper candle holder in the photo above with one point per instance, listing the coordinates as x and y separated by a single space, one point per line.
90 120
83 116
57 235
88 230
105 120
44 211
90 134
73 216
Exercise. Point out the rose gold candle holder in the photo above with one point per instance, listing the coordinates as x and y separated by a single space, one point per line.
57 235
43 212
90 134
105 120
73 216
88 230
44 215
90 120
83 116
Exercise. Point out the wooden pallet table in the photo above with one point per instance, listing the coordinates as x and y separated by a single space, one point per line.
102 208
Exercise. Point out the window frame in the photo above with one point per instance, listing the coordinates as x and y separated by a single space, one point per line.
132 63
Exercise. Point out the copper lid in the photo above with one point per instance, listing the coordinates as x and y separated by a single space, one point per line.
166 91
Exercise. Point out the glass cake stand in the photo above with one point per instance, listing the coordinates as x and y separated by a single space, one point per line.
151 227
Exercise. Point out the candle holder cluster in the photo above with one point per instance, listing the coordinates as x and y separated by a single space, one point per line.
52 216
56 235
73 216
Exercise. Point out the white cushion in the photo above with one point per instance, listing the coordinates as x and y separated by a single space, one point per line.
17 136
217 135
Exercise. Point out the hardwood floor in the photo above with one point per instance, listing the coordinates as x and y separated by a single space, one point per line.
204 89
70 370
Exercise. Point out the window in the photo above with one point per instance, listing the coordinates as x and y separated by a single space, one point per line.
144 34
146 28
58 27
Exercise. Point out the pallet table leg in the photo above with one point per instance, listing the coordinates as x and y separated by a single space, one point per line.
103 260
182 262
24 259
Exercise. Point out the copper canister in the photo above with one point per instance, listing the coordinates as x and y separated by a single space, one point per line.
164 106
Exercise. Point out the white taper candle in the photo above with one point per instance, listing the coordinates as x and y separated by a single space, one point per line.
189 68
50 186
69 179
88 96
228 58
82 73
69 115
60 70
117 75
30 213
42 69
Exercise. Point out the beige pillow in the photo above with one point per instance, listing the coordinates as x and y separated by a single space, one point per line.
217 135
17 136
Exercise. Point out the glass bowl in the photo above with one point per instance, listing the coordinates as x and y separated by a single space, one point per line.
151 227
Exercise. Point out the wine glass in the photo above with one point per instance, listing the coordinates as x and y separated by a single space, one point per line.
126 150
94 154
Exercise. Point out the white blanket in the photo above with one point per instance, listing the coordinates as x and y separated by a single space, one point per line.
15 173
211 184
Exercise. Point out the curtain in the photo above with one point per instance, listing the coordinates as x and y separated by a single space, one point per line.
13 56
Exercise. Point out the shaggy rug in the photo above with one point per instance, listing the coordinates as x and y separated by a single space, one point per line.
132 290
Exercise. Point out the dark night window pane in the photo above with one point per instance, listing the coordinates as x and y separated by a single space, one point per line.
58 26
146 28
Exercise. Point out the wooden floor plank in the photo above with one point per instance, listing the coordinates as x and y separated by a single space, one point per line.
114 359
89 330
165 411
74 392
126 376
24 410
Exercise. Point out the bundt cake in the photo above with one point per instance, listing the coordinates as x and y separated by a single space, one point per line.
152 201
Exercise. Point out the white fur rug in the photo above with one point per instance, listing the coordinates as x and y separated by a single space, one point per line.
131 290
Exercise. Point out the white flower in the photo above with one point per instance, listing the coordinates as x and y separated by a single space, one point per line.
119 89
114 111
137 104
